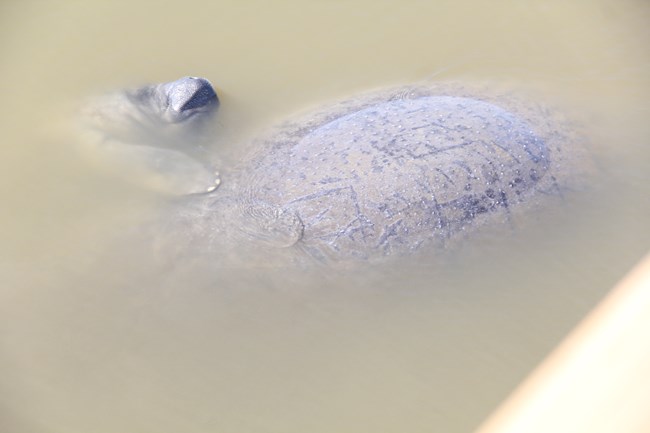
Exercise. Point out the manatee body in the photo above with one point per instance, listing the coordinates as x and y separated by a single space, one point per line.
383 174
389 173
397 174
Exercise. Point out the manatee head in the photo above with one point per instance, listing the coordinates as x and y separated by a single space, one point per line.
155 135
186 98
165 111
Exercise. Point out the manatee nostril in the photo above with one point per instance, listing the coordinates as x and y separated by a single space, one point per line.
190 93
203 96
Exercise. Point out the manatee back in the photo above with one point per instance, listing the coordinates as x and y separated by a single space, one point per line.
390 175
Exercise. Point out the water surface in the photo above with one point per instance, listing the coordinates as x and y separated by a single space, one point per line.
98 335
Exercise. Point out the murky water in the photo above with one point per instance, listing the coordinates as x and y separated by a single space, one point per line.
97 335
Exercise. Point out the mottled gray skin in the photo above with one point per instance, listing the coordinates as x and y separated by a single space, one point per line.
384 174
395 175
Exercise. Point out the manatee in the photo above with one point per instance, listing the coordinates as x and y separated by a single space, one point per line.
387 173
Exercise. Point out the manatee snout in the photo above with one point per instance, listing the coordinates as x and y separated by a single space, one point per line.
187 97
